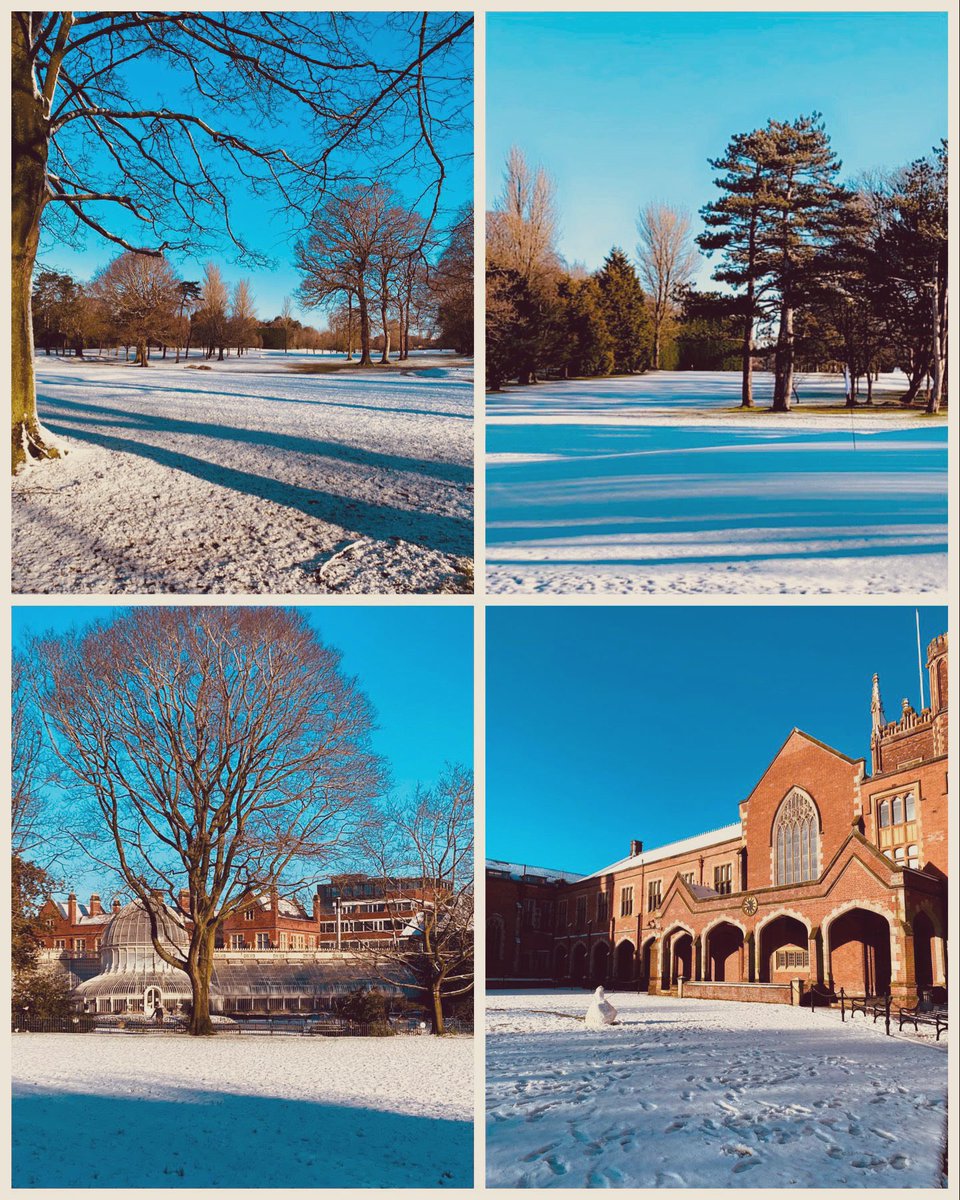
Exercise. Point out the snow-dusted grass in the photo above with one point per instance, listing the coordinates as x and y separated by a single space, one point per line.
114 1110
699 1093
659 484
249 477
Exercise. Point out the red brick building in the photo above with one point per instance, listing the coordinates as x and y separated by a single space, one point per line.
831 877
348 913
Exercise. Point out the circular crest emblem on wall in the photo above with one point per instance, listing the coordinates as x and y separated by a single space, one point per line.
750 905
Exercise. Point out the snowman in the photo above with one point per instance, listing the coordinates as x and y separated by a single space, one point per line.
601 1012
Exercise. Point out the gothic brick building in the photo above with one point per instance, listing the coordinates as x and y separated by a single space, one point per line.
831 877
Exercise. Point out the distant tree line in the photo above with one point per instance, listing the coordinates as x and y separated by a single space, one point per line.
138 302
817 275
370 260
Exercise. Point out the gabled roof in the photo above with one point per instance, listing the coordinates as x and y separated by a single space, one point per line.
814 742
84 916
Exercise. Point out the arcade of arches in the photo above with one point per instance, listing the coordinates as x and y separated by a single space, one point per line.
832 878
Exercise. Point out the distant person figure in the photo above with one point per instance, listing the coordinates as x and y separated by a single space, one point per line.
159 1014
601 1012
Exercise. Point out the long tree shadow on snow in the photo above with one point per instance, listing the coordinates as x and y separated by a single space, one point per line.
446 535
186 391
199 1138
295 443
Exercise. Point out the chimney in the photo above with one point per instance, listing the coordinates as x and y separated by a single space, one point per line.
184 901
636 848
72 915
274 898
115 906
316 907
96 908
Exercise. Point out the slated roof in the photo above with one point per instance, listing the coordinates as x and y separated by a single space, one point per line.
520 871
700 841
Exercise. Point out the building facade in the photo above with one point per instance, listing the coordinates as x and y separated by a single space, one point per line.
272 956
831 877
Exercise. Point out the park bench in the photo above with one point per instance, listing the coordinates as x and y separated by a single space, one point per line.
920 1014
870 1006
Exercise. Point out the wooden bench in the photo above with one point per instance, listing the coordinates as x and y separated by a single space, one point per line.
870 1006
917 1016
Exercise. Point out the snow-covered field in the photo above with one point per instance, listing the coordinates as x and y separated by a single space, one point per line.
699 1093
247 476
113 1110
658 484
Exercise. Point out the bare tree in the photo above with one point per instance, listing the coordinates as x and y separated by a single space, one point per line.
92 154
141 294
667 258
243 315
339 254
211 315
220 750
422 852
522 229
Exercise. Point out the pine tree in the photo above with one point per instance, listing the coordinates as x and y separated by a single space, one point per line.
733 223
625 313
587 345
804 210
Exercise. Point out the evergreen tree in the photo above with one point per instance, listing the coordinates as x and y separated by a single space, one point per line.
625 313
733 224
587 348
805 210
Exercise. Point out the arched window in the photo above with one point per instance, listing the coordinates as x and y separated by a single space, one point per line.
795 842
884 813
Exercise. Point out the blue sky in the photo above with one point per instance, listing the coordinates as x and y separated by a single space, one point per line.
608 724
626 108
415 664
259 219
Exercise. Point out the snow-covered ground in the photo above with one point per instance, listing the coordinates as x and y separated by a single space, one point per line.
249 476
699 1093
659 484
112 1110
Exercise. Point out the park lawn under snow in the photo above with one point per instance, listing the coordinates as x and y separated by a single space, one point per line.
700 1093
246 476
658 484
106 1110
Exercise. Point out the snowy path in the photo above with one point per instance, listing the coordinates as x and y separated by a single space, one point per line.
248 477
649 485
700 1093
109 1110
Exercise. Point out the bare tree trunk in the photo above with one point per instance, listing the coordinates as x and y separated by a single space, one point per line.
200 970
385 357
27 199
365 359
436 1010
746 389
936 391
142 352
783 380
350 327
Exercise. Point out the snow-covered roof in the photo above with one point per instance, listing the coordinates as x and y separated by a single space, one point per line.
84 915
701 841
520 871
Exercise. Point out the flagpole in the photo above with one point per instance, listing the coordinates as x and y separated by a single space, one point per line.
919 659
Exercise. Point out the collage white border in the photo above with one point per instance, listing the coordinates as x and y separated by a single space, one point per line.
479 601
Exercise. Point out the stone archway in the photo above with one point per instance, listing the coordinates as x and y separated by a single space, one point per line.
646 964
601 963
625 961
724 953
495 939
578 963
859 955
560 957
924 966
784 950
